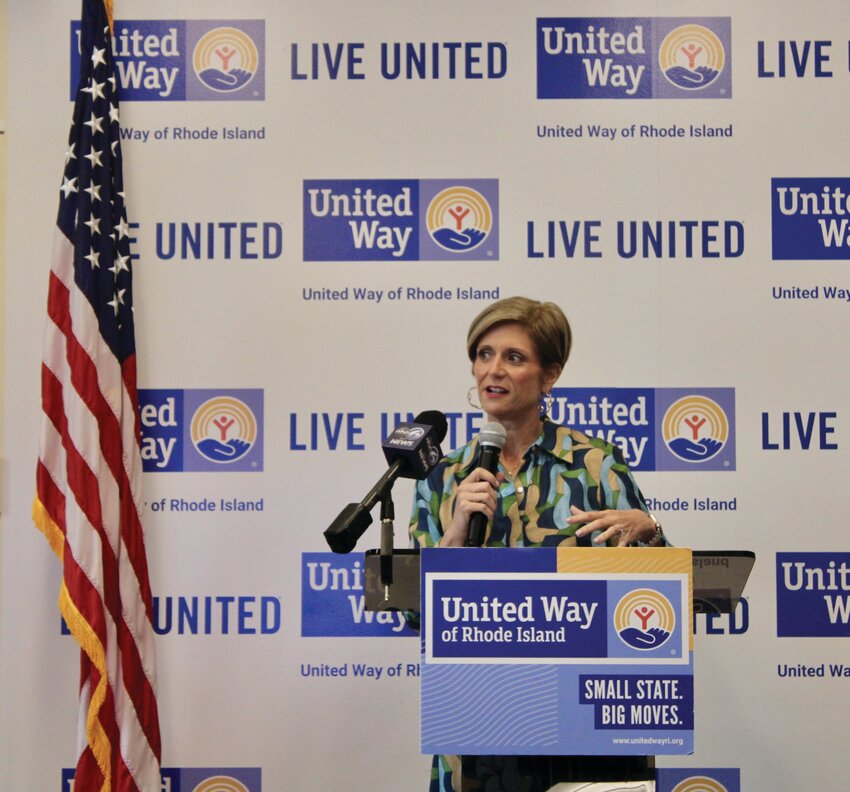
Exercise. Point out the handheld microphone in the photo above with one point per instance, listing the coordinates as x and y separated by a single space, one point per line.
413 450
491 440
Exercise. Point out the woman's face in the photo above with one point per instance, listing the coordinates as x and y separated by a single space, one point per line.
508 373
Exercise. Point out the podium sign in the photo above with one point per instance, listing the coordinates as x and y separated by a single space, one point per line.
557 651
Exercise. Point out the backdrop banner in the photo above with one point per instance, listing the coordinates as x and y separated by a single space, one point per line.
320 200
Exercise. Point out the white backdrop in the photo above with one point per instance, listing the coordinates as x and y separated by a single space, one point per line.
211 325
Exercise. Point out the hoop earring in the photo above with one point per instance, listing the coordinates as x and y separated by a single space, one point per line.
469 399
546 400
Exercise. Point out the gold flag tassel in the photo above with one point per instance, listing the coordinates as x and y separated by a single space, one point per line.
108 4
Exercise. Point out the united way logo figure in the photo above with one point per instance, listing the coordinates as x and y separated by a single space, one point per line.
695 428
459 219
699 784
225 59
691 57
224 429
221 784
644 619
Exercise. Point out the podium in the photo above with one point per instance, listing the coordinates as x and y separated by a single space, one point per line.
719 579
561 668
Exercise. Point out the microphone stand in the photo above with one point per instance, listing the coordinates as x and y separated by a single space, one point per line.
387 531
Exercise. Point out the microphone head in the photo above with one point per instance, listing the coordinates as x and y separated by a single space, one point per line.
493 434
435 419
417 445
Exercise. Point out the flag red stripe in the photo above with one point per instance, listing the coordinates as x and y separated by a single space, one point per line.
83 373
83 484
87 598
85 381
87 769
50 496
82 318
128 374
122 778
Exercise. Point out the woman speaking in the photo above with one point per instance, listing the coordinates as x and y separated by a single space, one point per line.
553 486
553 483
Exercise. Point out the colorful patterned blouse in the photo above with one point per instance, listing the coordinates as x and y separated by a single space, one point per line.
562 468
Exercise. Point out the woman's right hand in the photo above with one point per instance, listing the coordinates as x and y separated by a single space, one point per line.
477 493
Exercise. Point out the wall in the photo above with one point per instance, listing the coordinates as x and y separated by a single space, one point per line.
735 311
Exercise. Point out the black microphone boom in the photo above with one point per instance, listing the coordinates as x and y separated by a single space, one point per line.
491 440
413 450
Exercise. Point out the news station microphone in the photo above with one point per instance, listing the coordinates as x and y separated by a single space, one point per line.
413 450
491 440
415 447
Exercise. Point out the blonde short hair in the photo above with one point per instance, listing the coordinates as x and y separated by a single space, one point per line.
543 321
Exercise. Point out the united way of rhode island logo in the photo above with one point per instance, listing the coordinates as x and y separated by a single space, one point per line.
221 783
459 218
691 57
699 784
695 428
225 59
644 619
224 429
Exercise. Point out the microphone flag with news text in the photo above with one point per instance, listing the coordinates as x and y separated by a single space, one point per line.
413 450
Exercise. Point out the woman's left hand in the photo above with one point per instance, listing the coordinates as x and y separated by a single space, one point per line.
626 526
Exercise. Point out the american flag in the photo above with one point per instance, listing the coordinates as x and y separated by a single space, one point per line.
88 480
